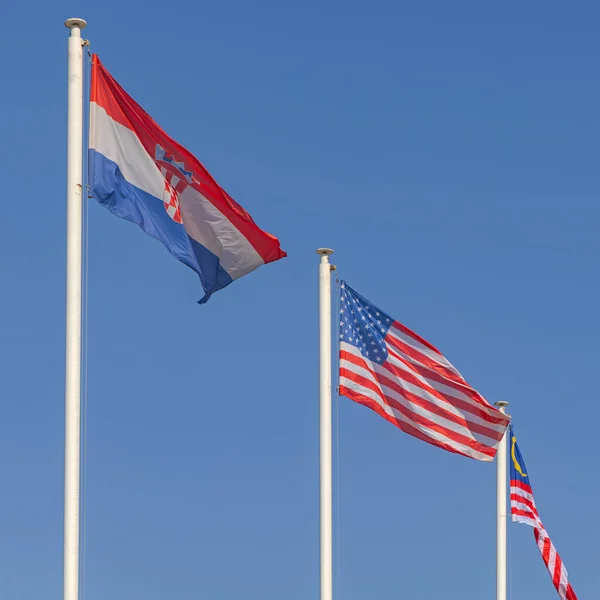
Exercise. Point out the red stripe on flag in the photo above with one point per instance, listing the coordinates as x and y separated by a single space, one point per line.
524 513
409 414
557 570
479 406
405 427
570 593
426 361
451 402
525 501
395 384
519 484
415 337
546 550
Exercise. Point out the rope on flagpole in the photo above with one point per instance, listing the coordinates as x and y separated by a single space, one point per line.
337 440
85 328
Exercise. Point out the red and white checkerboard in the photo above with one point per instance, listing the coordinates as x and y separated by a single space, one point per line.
173 187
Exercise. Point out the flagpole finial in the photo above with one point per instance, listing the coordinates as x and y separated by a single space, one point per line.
501 404
75 22
324 251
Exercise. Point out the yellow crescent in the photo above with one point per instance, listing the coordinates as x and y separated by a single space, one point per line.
514 458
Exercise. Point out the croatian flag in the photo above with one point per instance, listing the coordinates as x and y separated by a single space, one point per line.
141 174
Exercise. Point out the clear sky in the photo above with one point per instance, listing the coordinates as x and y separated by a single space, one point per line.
448 152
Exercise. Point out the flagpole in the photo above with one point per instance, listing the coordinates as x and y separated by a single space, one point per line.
501 494
73 309
325 423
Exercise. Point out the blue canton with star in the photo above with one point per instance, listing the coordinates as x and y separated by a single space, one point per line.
363 325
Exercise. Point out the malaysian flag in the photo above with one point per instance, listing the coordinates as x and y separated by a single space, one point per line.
523 509
403 378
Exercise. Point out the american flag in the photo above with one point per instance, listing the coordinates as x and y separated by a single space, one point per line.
403 378
523 509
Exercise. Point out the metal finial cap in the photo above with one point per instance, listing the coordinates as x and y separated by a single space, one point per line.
501 404
75 22
325 251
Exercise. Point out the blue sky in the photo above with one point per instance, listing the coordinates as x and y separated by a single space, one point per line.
448 153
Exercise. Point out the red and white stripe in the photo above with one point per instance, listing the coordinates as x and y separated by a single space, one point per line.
419 391
523 510
554 564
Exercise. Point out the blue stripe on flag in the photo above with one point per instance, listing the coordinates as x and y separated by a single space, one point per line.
113 191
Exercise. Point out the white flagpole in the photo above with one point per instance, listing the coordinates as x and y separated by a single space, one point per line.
73 324
501 494
325 423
